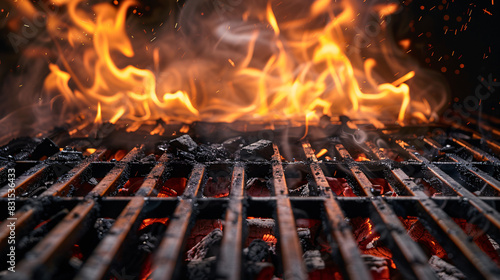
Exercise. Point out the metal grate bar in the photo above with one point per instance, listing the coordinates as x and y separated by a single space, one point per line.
485 209
449 229
74 176
154 178
110 247
350 257
404 244
170 250
41 262
494 183
291 250
229 264
478 153
25 181
116 175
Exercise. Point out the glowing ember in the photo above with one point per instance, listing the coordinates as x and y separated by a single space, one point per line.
264 61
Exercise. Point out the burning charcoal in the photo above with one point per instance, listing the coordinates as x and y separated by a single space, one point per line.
201 269
206 247
305 238
379 267
208 153
102 226
300 191
149 158
313 260
257 187
69 154
184 143
233 144
185 155
260 150
257 251
444 270
217 187
46 148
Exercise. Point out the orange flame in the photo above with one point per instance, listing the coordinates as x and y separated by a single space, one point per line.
305 75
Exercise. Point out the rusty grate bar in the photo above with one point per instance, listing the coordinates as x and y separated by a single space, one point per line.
341 232
99 263
116 175
54 247
485 209
290 246
44 259
449 229
229 266
74 176
404 244
166 260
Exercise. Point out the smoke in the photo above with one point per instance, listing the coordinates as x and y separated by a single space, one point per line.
218 60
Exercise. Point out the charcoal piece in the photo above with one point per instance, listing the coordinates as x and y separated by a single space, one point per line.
233 144
260 150
149 158
185 155
302 191
257 251
208 246
46 148
313 260
444 270
201 269
69 155
378 266
102 226
184 143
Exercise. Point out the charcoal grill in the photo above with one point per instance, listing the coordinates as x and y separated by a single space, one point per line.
438 174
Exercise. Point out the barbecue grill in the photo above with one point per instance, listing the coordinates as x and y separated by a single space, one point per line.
353 199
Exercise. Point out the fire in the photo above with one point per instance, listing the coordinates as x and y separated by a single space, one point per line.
263 64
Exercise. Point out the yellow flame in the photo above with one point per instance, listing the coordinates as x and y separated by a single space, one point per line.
306 74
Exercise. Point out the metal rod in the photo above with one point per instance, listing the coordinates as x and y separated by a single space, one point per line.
110 247
294 267
166 259
348 247
230 261
404 245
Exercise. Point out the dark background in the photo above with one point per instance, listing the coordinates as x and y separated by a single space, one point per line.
459 39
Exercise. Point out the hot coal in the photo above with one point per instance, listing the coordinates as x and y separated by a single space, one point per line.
257 187
379 267
102 226
213 152
300 191
217 187
207 247
201 269
233 144
69 154
257 251
444 270
184 143
313 260
258 151
45 148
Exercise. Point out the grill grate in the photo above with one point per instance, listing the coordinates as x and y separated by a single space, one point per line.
438 175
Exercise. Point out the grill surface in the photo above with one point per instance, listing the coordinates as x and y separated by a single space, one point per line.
438 175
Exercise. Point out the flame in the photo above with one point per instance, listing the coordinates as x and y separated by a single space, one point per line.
150 221
282 67
269 238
